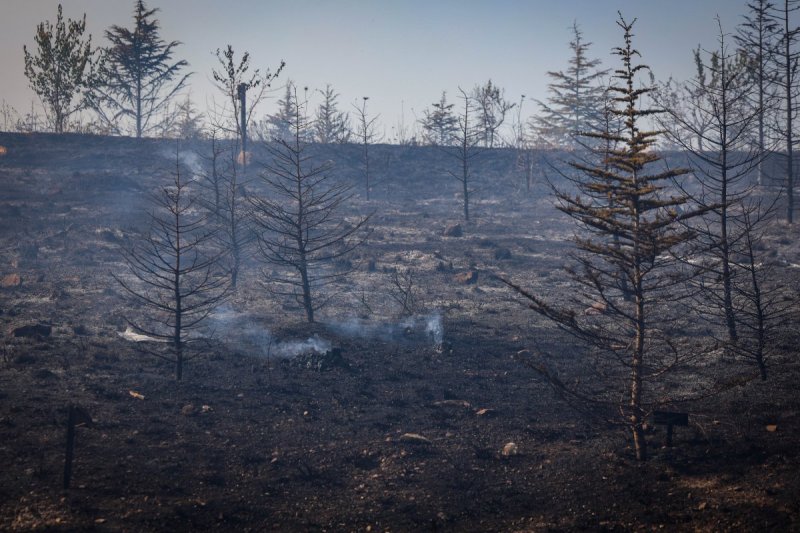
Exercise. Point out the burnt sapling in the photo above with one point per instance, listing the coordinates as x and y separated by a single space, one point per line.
175 273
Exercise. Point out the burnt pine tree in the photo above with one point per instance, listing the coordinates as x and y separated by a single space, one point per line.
756 37
139 76
722 167
465 148
624 196
298 221
175 273
224 198
367 134
62 68
786 61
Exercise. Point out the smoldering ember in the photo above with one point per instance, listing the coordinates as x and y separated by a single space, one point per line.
583 319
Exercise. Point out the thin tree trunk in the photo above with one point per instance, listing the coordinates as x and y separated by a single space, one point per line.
789 110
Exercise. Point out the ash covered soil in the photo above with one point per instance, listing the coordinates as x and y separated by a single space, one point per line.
404 431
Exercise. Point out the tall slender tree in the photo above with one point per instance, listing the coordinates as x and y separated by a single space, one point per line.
623 195
367 134
465 149
61 72
139 77
787 61
723 121
756 37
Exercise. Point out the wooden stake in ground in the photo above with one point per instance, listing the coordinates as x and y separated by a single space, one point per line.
77 416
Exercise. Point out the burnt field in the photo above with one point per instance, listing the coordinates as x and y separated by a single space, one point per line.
371 419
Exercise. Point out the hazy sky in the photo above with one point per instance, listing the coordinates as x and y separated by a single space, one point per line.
401 54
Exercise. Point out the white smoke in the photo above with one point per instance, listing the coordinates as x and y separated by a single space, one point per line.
435 328
420 328
241 332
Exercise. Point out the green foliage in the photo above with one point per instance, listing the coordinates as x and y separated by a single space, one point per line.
439 124
61 71
576 96
138 77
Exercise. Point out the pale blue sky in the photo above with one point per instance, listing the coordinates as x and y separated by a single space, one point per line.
392 51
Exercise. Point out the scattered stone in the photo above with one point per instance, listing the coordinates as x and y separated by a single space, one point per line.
454 231
509 450
414 438
486 412
136 395
453 403
33 331
467 278
187 410
597 308
702 506
11 280
772 428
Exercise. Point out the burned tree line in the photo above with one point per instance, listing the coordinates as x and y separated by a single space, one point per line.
650 241
290 217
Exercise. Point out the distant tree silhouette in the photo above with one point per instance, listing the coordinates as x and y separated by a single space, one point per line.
492 108
465 148
330 124
439 125
575 99
367 133
61 71
138 77
230 80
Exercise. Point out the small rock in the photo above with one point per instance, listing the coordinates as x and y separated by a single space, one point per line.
597 308
187 410
11 280
414 438
772 428
454 231
486 412
467 278
452 403
702 506
509 450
